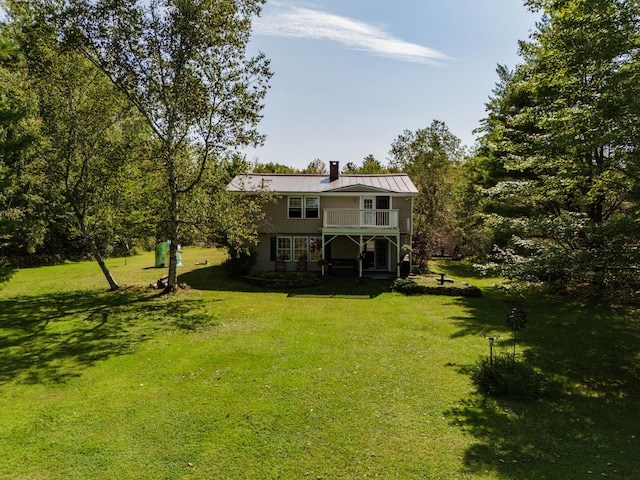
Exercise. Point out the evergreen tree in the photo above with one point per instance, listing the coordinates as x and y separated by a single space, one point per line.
563 130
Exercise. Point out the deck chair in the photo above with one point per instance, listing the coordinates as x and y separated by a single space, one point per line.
301 266
281 265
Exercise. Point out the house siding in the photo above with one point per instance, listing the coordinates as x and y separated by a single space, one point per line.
278 223
264 261
404 207
346 192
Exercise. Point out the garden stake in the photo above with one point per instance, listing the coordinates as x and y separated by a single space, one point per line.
516 320
491 340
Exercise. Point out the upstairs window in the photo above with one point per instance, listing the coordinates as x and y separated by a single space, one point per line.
295 207
303 207
312 207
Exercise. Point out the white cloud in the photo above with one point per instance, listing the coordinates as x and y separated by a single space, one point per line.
297 22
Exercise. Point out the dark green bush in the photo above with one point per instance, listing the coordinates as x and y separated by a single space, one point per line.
283 275
509 378
410 287
404 285
241 262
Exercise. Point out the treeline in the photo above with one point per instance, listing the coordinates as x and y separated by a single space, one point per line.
120 123
552 187
550 194
555 177
106 145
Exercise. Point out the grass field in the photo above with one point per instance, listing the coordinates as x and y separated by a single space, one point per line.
346 380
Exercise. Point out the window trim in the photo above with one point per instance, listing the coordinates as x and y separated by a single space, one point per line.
294 250
317 207
303 207
291 239
280 249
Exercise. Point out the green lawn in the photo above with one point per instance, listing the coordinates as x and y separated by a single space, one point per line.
344 380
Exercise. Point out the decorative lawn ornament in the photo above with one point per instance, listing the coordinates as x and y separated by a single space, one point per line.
516 319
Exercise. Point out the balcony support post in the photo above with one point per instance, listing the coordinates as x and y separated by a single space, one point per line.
360 261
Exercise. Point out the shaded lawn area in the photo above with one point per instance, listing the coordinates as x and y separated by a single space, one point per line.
343 380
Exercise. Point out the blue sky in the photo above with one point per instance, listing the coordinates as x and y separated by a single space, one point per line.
352 75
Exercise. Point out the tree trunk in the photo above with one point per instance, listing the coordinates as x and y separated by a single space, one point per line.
105 270
172 282
113 285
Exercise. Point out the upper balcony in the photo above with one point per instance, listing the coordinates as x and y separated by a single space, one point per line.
358 219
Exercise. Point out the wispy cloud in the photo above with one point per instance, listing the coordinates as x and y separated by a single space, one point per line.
297 22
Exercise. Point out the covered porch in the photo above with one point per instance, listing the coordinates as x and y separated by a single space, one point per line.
359 253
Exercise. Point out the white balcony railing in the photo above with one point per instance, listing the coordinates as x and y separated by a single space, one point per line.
353 218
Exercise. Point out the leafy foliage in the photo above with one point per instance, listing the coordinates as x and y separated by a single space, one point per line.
509 378
316 166
229 219
240 262
557 167
185 68
405 285
90 139
21 195
410 287
370 166
430 156
272 167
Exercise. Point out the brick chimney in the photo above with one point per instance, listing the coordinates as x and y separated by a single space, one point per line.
334 170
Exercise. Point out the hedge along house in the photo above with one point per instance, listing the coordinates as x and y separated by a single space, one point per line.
340 224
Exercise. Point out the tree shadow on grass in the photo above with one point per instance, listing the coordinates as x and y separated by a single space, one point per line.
591 426
456 268
52 338
215 278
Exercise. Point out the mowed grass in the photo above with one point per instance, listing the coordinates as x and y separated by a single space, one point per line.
346 380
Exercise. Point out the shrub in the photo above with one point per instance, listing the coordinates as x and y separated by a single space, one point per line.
281 280
410 287
509 378
407 286
241 262
283 275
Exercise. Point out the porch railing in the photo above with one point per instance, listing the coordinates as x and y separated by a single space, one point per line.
354 218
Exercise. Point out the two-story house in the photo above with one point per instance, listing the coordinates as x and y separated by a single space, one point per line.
354 224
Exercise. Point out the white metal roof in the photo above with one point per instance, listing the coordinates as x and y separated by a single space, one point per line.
306 183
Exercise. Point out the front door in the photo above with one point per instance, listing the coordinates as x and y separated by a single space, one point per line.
382 211
383 203
382 254
368 218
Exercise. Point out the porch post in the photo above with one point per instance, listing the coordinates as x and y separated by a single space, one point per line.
359 252
322 254
398 254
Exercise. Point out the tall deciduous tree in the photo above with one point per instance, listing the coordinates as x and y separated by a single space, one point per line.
89 133
564 126
429 156
316 166
370 166
184 65
231 219
19 195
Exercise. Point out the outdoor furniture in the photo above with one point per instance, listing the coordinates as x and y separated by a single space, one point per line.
281 265
301 266
442 279
343 266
